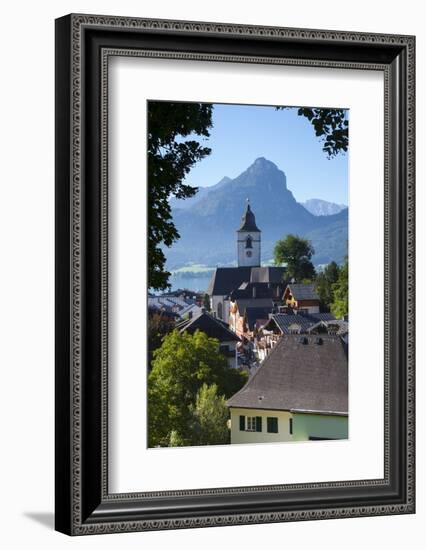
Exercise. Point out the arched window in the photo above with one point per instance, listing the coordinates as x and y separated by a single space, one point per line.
219 310
249 241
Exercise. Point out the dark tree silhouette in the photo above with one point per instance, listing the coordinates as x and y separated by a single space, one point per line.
170 158
330 125
324 284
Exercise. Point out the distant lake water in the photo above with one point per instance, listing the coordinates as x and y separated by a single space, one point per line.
196 282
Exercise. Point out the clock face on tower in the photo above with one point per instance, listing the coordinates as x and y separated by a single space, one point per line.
248 253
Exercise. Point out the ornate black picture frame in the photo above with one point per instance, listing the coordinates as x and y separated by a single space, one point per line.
83 45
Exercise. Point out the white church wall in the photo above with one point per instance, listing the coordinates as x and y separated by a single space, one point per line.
248 257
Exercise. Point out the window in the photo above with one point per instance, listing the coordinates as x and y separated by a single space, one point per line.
242 423
251 423
254 423
272 424
219 310
249 241
290 426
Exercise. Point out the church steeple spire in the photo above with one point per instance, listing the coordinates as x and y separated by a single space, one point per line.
248 221
248 240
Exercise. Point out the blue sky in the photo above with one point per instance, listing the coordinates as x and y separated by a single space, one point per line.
242 133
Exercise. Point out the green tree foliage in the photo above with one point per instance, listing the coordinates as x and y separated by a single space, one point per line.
324 284
159 324
331 126
296 253
339 306
170 158
181 366
208 425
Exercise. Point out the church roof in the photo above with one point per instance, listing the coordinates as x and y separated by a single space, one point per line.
226 279
257 290
248 221
267 274
301 374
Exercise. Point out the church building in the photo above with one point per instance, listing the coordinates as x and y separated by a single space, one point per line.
227 283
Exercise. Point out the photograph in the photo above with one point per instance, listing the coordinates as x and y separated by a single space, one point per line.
248 265
228 197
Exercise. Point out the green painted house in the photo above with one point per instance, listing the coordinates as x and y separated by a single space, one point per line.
300 393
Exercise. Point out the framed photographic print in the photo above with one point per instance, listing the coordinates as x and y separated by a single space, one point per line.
231 203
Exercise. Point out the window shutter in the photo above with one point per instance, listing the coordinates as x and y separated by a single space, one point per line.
258 423
272 424
242 423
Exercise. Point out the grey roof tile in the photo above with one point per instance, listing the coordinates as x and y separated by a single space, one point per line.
264 303
213 327
303 291
226 279
255 313
296 376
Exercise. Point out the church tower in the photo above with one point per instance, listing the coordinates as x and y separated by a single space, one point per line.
248 240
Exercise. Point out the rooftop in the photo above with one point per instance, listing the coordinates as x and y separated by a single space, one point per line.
214 328
300 321
254 314
303 291
226 279
301 374
264 304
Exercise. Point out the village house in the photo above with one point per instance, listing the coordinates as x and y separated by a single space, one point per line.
248 277
244 313
299 393
190 311
214 328
169 303
302 297
293 322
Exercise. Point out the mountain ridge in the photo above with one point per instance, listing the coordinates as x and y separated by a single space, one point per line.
208 226
321 207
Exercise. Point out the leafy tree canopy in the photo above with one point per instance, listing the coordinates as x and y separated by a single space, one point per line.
170 158
159 324
180 367
331 126
324 284
296 253
208 425
340 305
